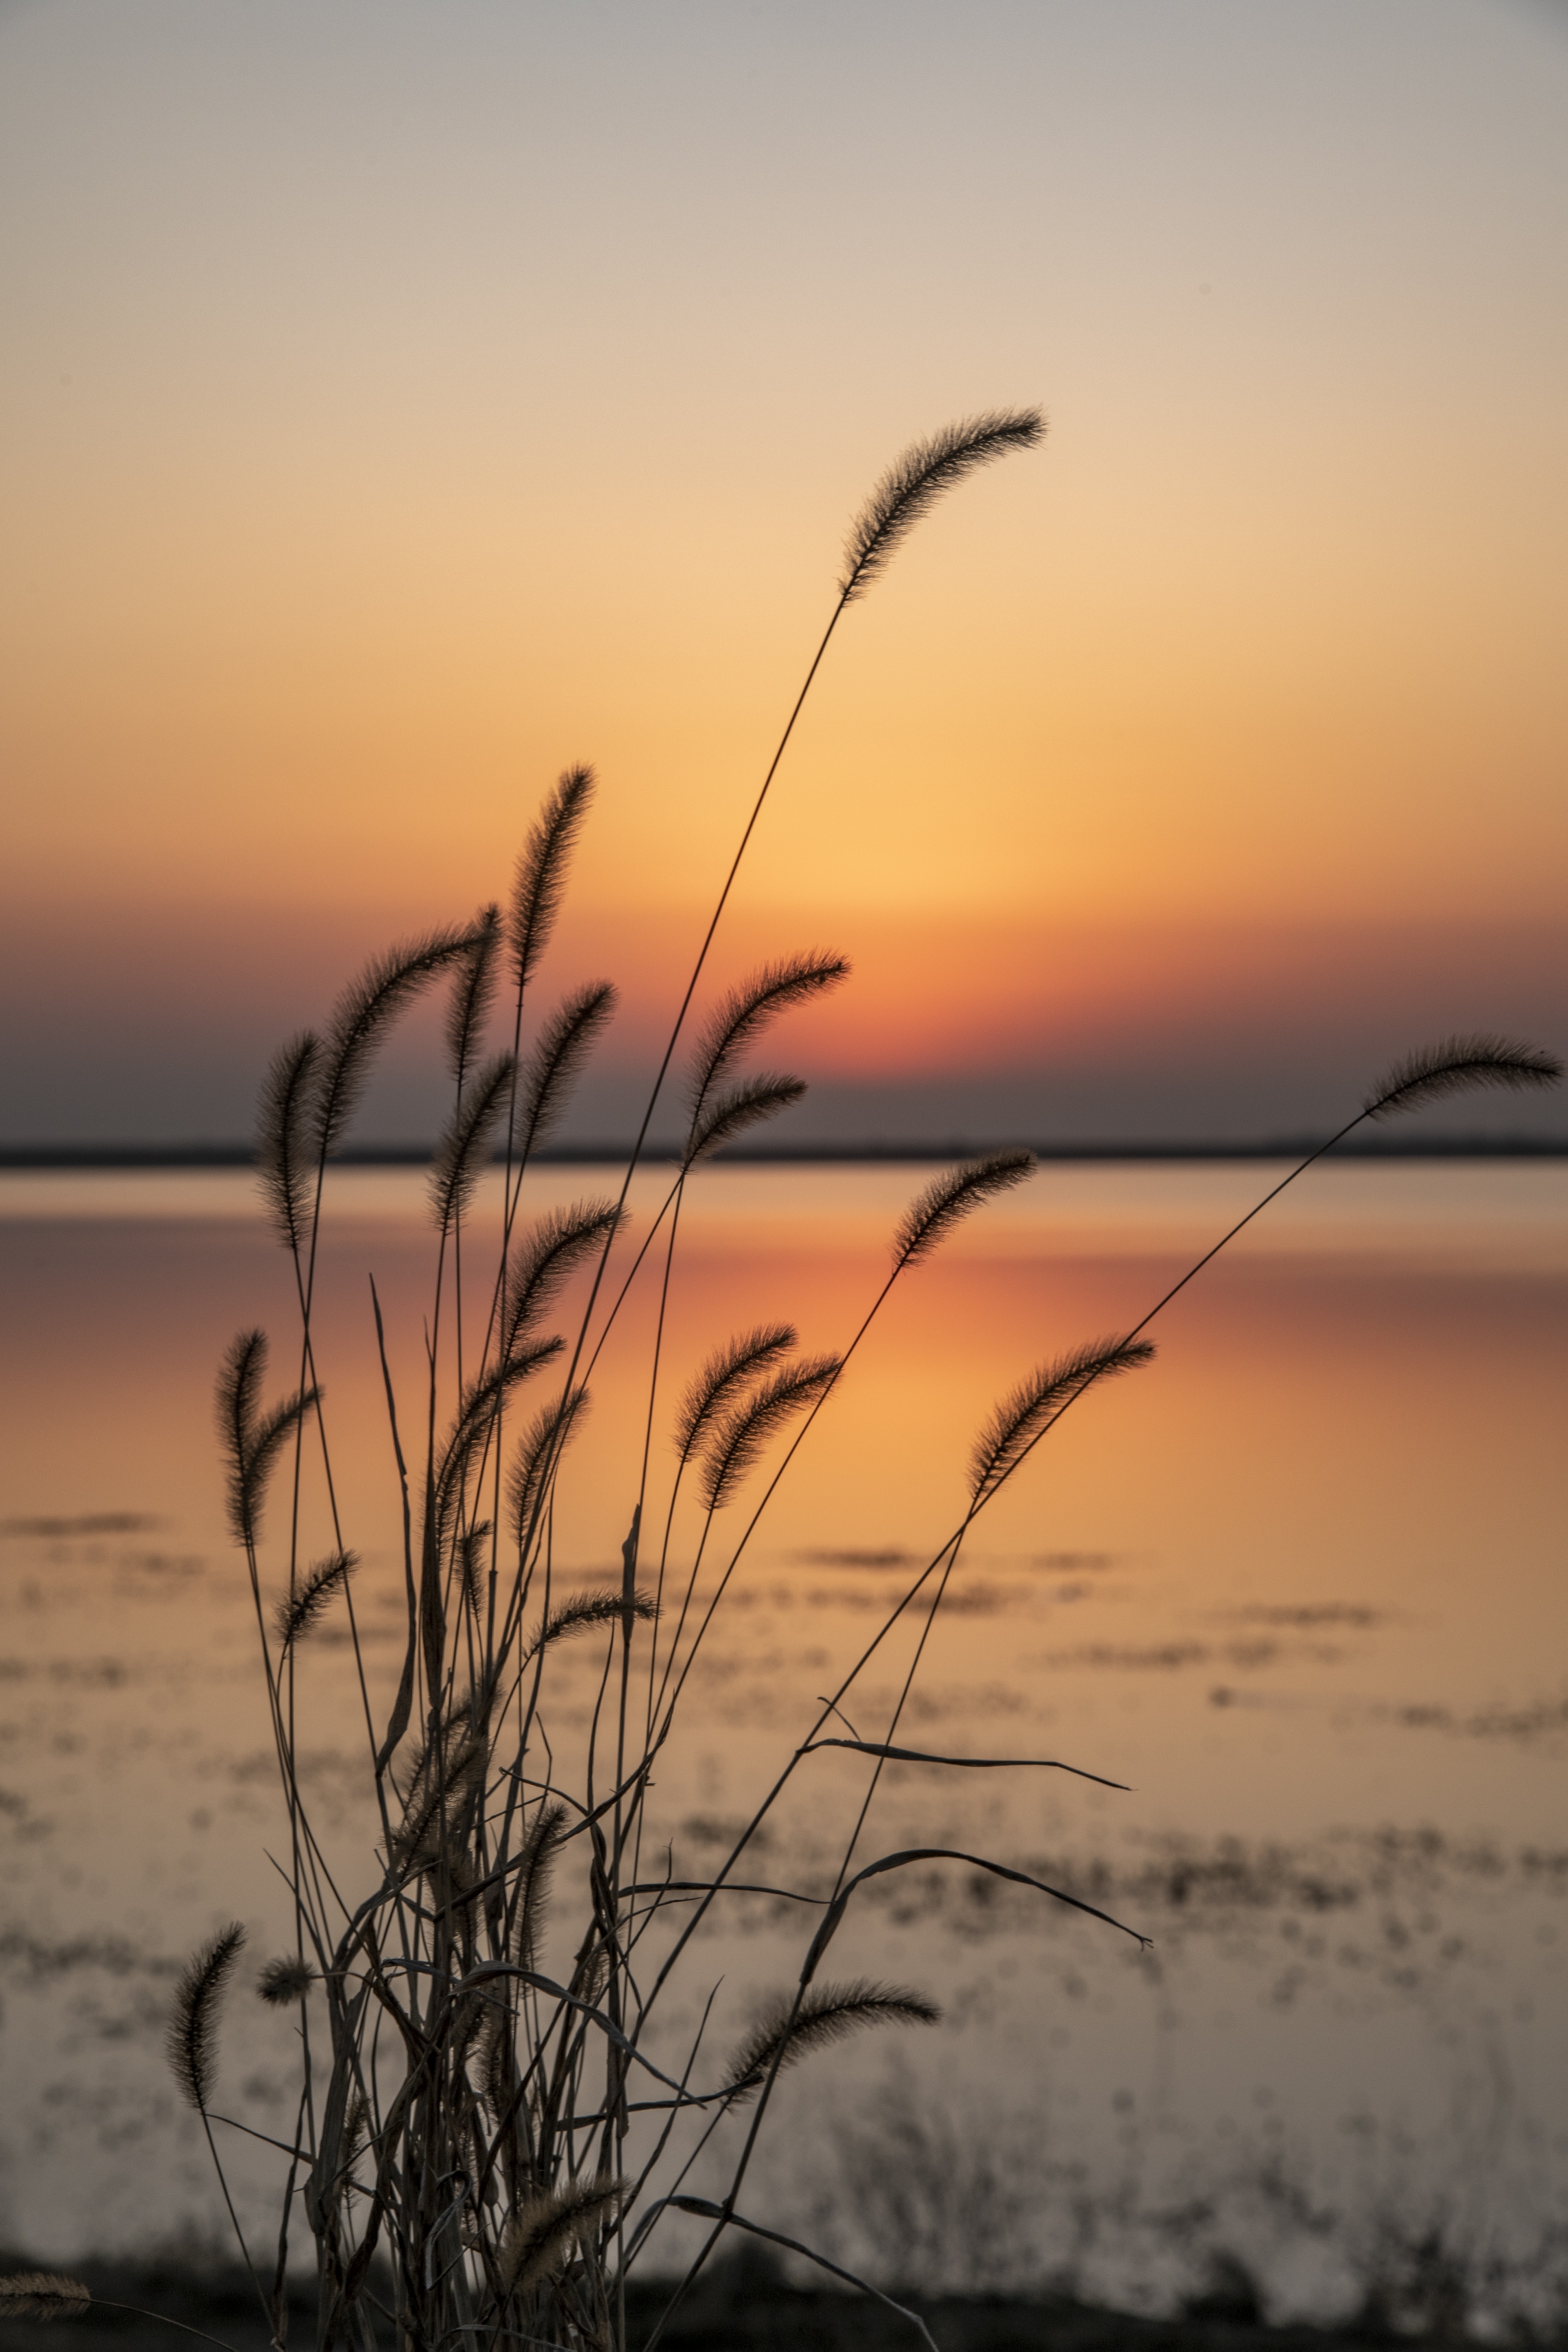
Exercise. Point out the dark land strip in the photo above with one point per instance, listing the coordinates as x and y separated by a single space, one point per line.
62 1156
739 2305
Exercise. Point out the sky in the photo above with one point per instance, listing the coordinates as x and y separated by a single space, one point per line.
400 402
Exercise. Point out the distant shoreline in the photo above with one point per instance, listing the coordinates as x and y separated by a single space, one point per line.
63 1158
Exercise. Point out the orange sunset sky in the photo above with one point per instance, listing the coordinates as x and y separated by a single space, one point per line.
401 401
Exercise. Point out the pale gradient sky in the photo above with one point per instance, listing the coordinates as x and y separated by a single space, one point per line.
399 401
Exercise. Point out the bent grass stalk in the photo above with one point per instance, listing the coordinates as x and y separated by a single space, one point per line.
489 2143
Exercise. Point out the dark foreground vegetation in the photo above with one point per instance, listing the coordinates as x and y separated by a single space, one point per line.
741 2305
487 2152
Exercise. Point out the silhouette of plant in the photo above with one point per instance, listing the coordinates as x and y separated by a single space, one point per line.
486 2150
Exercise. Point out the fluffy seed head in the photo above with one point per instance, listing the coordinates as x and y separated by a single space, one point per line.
299 1612
740 1437
737 1024
542 870
913 483
543 1443
828 2013
727 1115
547 1254
42 2294
282 1145
948 1200
360 1022
284 1980
726 1370
1456 1066
564 1044
192 2043
548 2228
587 1610
1027 1412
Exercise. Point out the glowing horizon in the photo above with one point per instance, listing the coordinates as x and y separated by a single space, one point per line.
399 409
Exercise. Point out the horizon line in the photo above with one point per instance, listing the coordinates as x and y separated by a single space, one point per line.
64 1157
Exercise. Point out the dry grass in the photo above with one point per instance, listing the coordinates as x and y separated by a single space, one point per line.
503 2144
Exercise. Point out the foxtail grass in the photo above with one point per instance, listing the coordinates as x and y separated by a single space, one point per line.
498 2124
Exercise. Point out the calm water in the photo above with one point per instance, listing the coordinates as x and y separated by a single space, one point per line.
1300 1585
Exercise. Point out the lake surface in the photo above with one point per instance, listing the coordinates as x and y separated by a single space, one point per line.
1300 1585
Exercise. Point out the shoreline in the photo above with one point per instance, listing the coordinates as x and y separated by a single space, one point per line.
43 1159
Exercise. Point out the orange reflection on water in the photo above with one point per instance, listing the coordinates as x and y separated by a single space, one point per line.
1296 1584
1350 1413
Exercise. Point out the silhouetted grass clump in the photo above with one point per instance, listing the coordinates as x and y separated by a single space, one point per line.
491 2149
